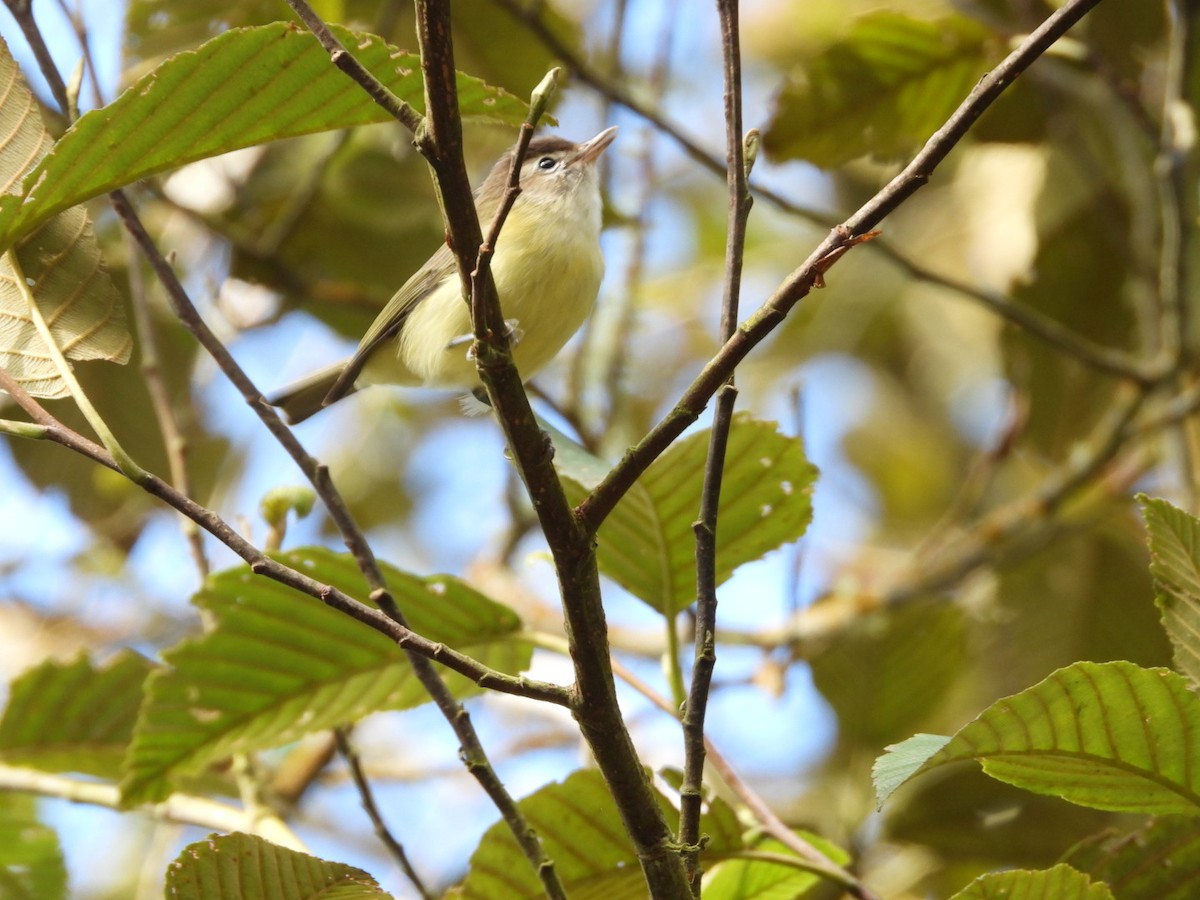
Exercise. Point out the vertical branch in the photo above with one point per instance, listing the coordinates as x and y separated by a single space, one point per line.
174 442
706 526
572 546
367 796
1176 141
439 140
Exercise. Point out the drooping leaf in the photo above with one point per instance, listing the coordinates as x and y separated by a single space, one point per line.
244 87
277 665
74 717
582 833
60 263
758 879
244 867
1109 736
881 90
647 546
889 670
1060 883
1159 861
1175 565
31 860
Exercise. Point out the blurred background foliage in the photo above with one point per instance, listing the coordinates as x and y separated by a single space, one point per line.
941 571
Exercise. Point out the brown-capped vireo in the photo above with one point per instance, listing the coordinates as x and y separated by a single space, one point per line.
547 267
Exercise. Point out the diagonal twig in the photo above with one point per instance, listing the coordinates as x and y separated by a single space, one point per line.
599 503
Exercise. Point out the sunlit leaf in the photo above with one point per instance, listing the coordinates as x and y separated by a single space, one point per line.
244 87
1060 883
60 262
647 544
881 90
245 867
1159 861
757 879
31 860
1175 565
581 830
73 717
277 665
1109 736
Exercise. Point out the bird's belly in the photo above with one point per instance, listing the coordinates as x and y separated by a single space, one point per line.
549 294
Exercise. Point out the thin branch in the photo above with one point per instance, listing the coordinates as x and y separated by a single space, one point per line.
49 428
363 785
180 809
174 442
1104 359
344 60
597 505
1176 143
705 528
595 703
22 11
1001 526
757 807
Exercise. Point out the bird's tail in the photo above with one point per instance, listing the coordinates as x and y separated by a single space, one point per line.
305 397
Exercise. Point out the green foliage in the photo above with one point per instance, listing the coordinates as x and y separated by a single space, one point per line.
1110 736
881 90
1175 565
176 114
582 833
244 867
31 861
277 665
646 545
1158 861
759 879
1059 883
59 264
946 427
75 717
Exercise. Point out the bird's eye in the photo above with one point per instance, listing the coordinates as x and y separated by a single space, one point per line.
546 163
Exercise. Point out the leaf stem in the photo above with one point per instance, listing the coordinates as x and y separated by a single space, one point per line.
123 460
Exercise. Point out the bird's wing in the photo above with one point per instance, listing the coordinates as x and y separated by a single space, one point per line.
392 317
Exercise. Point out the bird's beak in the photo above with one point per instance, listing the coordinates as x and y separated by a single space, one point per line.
589 151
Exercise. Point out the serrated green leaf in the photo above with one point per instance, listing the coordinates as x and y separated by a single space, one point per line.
1108 736
881 90
244 867
903 760
1060 883
245 87
1159 861
757 879
31 860
887 671
277 665
646 544
1175 566
60 261
582 833
74 717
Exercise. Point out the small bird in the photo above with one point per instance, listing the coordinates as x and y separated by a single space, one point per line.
547 267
